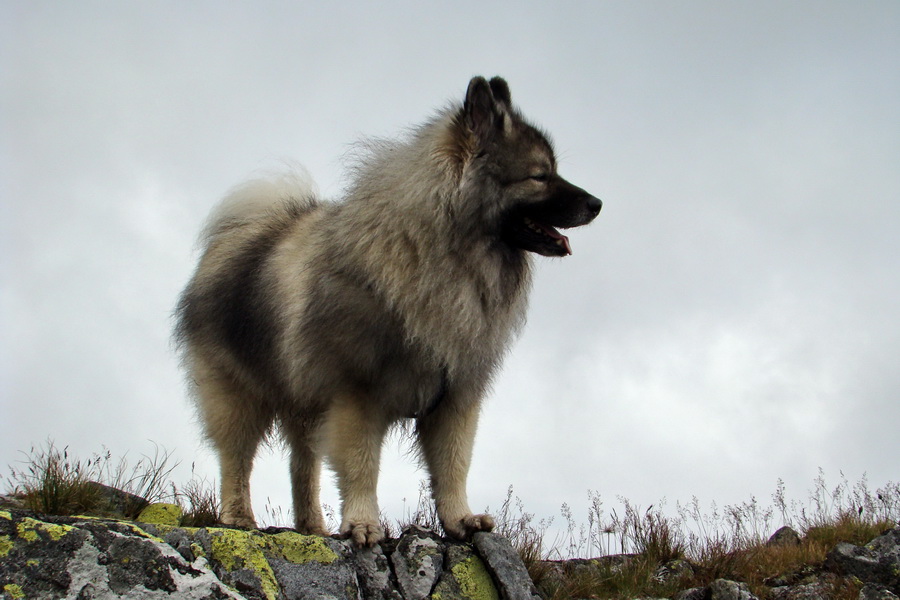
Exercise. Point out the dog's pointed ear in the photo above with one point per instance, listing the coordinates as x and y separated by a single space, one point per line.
484 109
500 89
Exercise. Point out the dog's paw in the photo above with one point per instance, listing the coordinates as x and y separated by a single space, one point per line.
463 528
311 528
362 533
243 522
237 514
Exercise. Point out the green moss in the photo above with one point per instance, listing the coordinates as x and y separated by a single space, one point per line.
28 529
474 580
4 514
5 545
161 513
14 591
198 550
298 548
235 549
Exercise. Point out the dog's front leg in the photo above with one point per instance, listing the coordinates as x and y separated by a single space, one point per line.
446 437
353 439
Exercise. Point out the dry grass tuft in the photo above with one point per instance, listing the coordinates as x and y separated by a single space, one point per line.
51 481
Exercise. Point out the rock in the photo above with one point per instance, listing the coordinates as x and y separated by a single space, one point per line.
784 537
691 594
118 501
876 592
373 569
506 566
674 569
83 557
809 591
720 589
878 562
723 589
418 563
87 558
465 576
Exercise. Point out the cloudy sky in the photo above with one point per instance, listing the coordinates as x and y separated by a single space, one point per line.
730 319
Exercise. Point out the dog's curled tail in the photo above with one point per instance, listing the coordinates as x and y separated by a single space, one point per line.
263 195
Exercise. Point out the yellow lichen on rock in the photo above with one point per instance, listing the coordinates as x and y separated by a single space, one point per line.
474 580
198 550
235 549
5 545
298 548
28 529
161 513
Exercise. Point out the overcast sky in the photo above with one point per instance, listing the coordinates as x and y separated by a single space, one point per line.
730 319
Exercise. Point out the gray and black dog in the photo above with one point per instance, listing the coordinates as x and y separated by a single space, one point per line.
333 321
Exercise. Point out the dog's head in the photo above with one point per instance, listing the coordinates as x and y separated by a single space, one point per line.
514 165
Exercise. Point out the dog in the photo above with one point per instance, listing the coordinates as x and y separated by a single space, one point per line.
333 321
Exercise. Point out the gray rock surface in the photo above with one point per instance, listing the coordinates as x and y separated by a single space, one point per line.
723 589
418 563
876 592
807 591
95 559
504 563
80 557
784 537
878 562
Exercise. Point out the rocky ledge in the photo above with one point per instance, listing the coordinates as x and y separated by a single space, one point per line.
82 558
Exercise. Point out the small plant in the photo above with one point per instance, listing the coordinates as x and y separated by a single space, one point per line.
424 514
148 478
52 482
199 502
523 533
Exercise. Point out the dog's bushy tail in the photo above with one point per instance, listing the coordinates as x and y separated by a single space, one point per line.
258 197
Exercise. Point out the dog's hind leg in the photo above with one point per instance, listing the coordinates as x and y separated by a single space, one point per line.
235 422
353 437
302 435
446 437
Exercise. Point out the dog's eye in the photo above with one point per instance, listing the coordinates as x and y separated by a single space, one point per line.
540 177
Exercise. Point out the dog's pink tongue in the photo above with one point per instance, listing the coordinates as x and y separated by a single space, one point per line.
561 240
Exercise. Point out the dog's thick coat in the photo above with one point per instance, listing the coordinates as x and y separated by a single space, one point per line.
336 320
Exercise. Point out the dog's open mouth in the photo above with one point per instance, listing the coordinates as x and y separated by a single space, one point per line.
535 226
552 240
534 236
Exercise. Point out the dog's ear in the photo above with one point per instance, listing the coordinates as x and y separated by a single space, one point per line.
500 89
484 109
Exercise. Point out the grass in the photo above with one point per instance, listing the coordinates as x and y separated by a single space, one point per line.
630 552
667 551
51 481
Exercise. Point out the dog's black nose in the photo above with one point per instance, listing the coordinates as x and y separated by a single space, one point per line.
594 204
